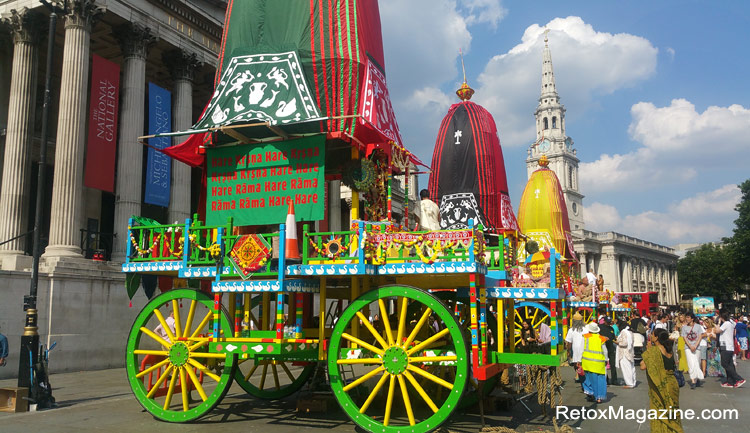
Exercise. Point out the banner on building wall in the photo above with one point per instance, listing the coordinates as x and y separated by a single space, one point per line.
101 146
254 183
158 165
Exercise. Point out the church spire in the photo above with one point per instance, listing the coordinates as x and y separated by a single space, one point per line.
549 91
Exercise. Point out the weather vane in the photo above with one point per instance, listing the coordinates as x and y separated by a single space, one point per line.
462 63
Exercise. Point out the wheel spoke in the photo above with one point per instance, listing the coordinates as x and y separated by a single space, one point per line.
432 358
155 337
286 370
421 391
159 381
263 377
275 377
152 368
429 376
252 370
402 320
386 321
164 326
196 383
374 392
150 352
372 330
360 361
428 342
204 369
417 328
363 378
407 403
203 323
170 390
177 324
367 346
197 345
191 315
184 391
389 401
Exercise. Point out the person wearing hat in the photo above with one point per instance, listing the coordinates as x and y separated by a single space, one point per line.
594 364
574 343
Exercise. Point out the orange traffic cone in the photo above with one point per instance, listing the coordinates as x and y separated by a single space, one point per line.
292 250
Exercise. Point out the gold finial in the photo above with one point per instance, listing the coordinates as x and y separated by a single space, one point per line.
464 92
546 32
543 161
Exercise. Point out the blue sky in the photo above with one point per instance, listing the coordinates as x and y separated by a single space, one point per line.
656 94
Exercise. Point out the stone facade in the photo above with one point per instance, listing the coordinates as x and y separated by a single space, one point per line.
83 305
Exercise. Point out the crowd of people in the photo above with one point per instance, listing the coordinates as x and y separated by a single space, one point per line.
696 347
675 349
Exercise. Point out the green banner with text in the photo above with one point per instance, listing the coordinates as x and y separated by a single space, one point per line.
254 183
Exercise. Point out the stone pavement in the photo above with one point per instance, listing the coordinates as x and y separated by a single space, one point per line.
102 401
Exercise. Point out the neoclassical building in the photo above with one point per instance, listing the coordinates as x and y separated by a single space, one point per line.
170 44
627 264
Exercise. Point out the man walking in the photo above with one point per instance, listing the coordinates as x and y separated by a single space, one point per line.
594 363
692 333
606 331
726 347
626 355
574 342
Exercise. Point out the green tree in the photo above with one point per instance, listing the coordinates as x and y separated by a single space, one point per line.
708 271
738 245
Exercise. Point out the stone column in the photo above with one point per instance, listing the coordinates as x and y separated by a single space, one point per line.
615 267
14 196
334 209
584 265
182 67
134 40
67 188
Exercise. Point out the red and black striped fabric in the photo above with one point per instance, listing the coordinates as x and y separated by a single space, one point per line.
468 159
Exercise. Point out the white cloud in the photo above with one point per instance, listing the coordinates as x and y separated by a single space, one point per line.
678 144
586 62
693 219
421 39
484 11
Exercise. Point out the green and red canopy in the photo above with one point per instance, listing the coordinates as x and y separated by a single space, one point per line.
297 67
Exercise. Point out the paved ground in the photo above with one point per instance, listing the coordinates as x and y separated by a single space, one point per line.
101 400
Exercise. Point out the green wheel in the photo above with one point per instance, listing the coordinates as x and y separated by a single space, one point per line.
175 378
409 368
266 378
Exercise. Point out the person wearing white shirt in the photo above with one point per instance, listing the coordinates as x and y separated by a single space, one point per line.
625 355
726 347
703 349
574 341
429 218
591 278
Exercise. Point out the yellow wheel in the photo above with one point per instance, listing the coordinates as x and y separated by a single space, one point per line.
534 312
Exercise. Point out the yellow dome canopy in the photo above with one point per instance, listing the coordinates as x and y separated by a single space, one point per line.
543 215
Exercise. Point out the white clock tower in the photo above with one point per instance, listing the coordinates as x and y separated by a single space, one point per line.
552 141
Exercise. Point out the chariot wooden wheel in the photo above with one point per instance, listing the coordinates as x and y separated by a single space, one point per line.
382 379
535 312
175 378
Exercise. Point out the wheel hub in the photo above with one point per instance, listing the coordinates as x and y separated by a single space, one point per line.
395 360
179 354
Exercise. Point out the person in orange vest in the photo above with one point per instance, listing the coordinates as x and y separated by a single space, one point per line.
594 364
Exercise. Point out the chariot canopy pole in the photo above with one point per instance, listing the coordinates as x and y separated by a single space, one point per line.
30 337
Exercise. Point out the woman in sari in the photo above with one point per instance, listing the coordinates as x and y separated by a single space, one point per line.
663 391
